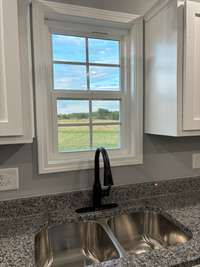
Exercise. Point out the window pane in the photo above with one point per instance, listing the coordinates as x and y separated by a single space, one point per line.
68 48
105 111
107 136
72 77
75 138
72 111
105 78
103 51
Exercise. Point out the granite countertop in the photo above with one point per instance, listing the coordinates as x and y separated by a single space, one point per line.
21 220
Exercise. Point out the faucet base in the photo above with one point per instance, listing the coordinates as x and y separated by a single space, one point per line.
93 209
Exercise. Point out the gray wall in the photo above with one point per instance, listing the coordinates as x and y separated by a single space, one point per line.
164 158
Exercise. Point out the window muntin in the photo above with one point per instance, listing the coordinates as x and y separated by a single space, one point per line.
86 116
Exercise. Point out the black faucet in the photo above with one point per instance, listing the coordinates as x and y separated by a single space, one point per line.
98 192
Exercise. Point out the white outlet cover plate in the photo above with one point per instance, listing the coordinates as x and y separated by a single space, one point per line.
196 161
9 179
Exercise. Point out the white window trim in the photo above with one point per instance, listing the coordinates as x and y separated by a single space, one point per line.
47 161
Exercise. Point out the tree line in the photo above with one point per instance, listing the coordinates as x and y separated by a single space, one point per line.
100 114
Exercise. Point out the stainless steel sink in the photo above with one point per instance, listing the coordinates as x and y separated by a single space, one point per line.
86 243
144 231
73 245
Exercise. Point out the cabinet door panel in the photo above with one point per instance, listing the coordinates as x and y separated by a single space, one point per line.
11 122
191 93
161 72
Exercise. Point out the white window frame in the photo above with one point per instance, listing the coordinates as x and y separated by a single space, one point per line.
48 18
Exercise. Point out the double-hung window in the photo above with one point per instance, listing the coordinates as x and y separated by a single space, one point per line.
88 90
88 87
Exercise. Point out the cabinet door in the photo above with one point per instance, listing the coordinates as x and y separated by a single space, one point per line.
191 91
161 71
11 122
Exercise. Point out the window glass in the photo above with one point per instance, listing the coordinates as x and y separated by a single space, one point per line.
73 138
104 78
71 77
72 111
107 136
105 111
68 48
103 51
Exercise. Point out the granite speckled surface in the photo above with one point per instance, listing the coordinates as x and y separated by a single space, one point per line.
178 199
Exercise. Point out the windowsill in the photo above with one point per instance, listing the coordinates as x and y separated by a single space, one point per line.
54 166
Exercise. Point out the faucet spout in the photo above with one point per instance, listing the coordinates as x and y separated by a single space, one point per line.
98 192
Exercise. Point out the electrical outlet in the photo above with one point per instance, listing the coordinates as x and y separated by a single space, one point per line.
196 161
9 179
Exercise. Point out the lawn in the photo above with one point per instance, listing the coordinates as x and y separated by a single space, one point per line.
77 138
77 121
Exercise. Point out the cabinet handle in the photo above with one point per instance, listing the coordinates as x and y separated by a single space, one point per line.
197 15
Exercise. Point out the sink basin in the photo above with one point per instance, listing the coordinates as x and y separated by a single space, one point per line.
72 245
87 243
144 231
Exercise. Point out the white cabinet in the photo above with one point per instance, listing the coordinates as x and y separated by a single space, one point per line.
172 69
191 118
16 99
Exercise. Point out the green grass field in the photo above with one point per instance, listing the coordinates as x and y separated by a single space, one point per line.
75 138
84 121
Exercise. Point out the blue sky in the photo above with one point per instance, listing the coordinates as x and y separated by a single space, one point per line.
82 106
73 49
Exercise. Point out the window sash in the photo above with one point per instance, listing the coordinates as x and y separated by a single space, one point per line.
87 63
90 124
88 94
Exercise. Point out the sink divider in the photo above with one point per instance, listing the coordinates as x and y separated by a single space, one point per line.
114 240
